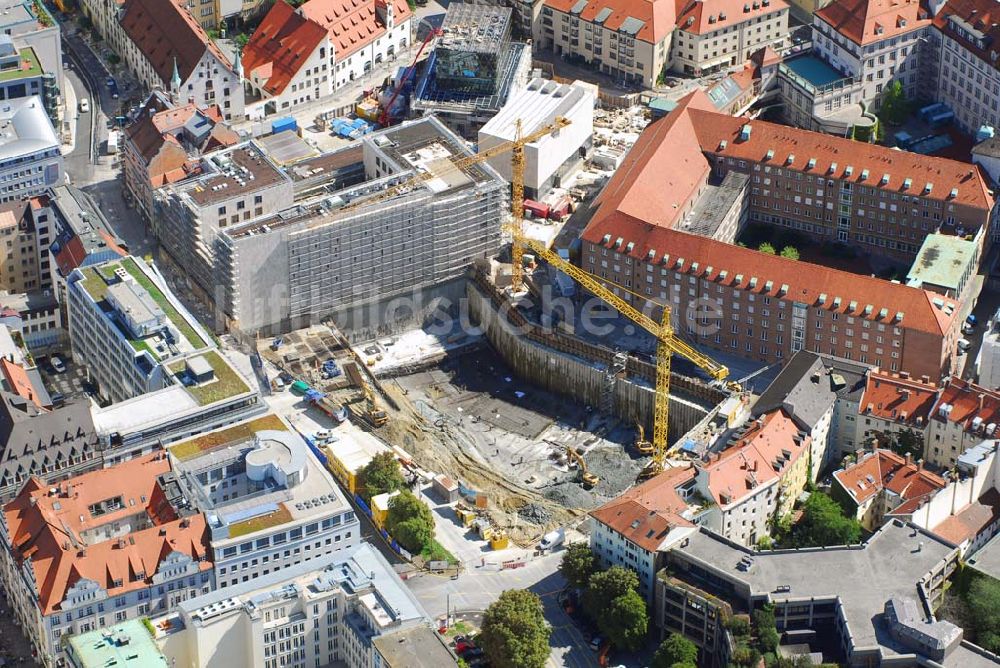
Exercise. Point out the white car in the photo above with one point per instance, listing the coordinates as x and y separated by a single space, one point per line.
58 364
84 106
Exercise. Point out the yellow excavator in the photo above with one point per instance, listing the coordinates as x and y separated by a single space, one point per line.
642 446
589 479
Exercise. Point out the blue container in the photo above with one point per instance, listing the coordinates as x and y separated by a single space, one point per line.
282 124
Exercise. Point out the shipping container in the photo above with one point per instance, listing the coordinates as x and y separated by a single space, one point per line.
536 209
282 124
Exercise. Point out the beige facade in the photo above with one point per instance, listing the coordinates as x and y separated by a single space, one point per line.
702 51
19 270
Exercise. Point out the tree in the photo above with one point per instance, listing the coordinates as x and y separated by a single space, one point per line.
824 523
767 632
895 107
790 252
382 474
766 248
983 600
514 632
904 442
410 521
676 650
626 621
605 587
578 564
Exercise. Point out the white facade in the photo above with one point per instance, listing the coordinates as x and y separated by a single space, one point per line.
30 156
319 614
612 549
314 80
538 105
124 364
743 520
989 355
728 46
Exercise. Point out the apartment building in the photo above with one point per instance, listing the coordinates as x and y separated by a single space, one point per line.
163 145
166 48
946 264
629 41
756 479
893 404
226 188
103 547
41 440
707 575
634 529
766 307
82 236
305 54
822 395
21 75
327 612
37 317
270 505
268 247
715 35
21 249
126 327
988 361
883 484
30 156
968 79
32 26
963 416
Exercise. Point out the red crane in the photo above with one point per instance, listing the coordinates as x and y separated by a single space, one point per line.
383 118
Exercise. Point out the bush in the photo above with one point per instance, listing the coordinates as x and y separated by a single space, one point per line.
790 252
766 247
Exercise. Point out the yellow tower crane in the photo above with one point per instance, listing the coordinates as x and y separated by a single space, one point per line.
667 342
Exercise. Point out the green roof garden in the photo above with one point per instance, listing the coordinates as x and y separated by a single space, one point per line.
227 383
275 518
239 433
187 331
27 66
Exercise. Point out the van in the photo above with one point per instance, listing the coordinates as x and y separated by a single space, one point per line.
278 385
552 539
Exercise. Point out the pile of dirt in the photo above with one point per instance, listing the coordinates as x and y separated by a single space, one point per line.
535 513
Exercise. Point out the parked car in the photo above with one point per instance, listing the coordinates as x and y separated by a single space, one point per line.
596 642
57 399
57 364
472 653
322 435
462 646
84 106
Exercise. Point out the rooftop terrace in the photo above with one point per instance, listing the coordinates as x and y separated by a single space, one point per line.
28 66
237 171
125 644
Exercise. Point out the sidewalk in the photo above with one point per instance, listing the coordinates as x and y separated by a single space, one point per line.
70 116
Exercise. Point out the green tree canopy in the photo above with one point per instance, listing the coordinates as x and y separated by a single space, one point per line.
410 521
824 523
605 587
382 474
626 621
766 248
514 631
675 650
983 600
578 564
790 252
895 107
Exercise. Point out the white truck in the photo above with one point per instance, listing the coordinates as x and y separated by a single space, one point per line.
552 539
113 142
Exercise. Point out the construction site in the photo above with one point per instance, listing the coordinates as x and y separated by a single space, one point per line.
536 424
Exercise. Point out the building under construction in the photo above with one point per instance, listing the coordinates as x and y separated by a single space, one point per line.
293 267
474 68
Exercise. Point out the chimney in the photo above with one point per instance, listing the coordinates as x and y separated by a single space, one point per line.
982 400
909 459
920 465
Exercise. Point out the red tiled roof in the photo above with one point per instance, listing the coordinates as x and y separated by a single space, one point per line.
280 47
352 24
968 401
971 520
704 16
659 17
48 530
18 381
834 154
885 470
645 514
648 194
890 396
867 21
984 15
164 30
749 463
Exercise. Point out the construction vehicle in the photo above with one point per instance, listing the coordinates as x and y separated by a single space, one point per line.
372 412
589 479
385 118
642 446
